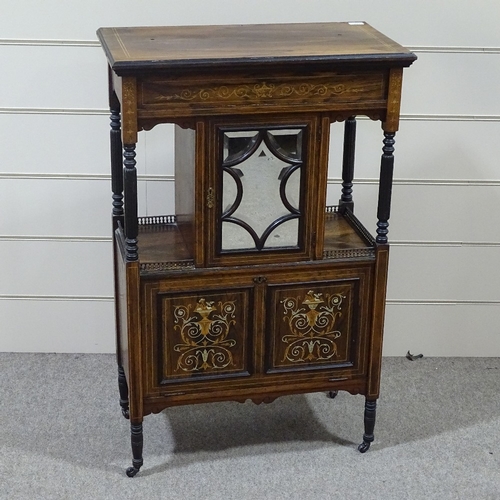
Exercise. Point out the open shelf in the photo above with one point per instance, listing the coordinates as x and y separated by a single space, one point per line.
163 248
345 236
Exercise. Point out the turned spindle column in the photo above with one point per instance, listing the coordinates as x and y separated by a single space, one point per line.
385 188
346 200
131 224
116 163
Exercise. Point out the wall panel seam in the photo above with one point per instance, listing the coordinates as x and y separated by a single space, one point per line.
34 42
105 239
47 42
15 110
436 243
426 182
443 302
106 298
59 239
52 111
78 176
443 49
58 298
170 178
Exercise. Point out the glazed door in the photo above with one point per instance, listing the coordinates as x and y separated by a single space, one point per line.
261 181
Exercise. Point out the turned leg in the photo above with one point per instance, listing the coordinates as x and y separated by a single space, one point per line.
346 200
370 412
385 188
116 163
136 439
123 388
130 189
117 188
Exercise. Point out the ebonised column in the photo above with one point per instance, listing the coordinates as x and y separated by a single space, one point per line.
136 438
346 200
370 414
131 224
385 188
117 213
123 388
116 163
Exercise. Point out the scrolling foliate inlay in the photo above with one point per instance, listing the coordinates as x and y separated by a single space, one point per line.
129 111
204 330
312 327
259 91
394 100
343 86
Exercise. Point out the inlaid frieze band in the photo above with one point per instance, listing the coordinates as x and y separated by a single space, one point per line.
344 87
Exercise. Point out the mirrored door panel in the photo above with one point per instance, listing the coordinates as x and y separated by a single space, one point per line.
261 200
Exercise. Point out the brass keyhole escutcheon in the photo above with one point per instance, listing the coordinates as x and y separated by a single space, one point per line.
260 279
210 197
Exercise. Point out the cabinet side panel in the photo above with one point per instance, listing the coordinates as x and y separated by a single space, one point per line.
185 154
121 311
380 288
320 187
134 342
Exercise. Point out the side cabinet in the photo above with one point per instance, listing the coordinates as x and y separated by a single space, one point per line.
254 287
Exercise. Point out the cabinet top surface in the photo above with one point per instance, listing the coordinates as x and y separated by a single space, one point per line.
156 48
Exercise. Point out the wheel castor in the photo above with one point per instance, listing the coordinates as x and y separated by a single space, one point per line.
136 441
125 413
131 471
332 394
364 447
370 412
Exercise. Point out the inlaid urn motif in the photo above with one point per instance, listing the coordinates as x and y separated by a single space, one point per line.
312 327
204 333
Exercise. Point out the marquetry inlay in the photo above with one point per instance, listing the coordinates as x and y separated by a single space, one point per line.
312 327
342 88
204 331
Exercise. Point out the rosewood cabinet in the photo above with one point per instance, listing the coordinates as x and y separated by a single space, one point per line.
254 288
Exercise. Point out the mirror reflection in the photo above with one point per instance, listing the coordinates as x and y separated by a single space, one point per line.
261 189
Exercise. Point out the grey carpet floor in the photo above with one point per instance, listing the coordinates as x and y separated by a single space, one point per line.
437 436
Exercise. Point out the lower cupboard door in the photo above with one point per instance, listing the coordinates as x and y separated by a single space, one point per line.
203 335
315 326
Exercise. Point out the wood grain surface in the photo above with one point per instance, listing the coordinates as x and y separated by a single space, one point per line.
184 46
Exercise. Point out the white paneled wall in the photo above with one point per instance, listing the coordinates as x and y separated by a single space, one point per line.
55 243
